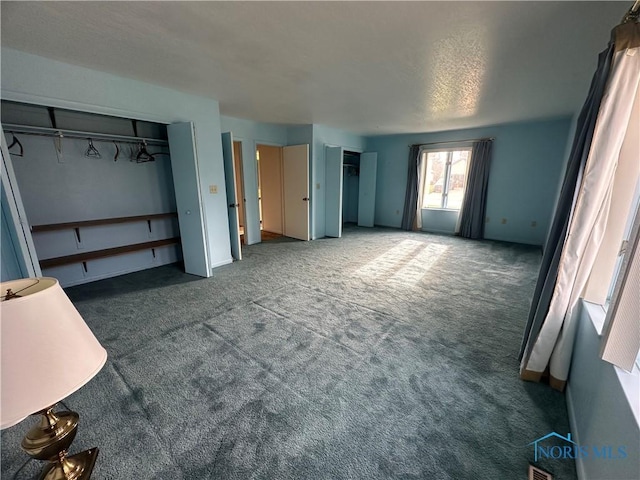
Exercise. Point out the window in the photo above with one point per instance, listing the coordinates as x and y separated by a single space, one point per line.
444 176
621 332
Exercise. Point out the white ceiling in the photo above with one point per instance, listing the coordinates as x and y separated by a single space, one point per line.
367 67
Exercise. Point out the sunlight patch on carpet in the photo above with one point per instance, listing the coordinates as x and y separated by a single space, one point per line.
406 263
419 265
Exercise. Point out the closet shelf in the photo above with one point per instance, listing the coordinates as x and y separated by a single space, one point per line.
107 252
102 221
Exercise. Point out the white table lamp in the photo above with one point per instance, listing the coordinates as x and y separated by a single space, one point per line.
48 352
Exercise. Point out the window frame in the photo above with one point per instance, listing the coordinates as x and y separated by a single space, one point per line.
446 184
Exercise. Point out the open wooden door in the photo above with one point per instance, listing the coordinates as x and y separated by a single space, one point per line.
367 189
232 198
295 168
333 200
186 182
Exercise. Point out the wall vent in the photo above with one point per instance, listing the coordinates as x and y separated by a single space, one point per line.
536 473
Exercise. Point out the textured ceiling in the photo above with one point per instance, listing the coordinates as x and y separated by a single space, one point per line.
368 67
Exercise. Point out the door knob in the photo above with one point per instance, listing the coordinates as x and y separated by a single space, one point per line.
233 205
305 199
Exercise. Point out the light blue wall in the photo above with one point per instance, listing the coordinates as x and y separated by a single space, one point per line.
251 134
31 79
525 170
299 134
599 411
323 135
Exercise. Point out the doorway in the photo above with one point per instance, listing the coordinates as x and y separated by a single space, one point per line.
283 191
350 187
270 188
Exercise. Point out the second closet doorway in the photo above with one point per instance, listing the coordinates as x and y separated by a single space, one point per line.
351 189
350 186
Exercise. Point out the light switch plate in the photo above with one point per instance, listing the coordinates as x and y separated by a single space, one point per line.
213 189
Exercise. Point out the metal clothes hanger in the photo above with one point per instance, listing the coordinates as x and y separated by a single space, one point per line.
15 142
633 14
92 152
143 154
57 143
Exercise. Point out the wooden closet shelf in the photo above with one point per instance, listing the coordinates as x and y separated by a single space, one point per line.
102 221
107 252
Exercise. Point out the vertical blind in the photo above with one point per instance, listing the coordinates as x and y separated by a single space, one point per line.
621 333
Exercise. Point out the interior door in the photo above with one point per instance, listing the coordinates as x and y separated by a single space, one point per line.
295 168
333 200
186 182
19 257
232 197
367 189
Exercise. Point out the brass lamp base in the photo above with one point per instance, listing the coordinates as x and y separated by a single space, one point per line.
50 440
76 467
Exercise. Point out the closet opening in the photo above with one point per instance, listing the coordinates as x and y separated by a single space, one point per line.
97 191
350 187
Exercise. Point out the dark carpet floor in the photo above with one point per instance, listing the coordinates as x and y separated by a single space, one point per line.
381 355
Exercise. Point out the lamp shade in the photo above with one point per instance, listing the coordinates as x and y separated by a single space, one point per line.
48 352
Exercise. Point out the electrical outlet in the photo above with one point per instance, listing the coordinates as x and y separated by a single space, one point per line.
397 212
503 221
534 224
487 220
213 189
317 186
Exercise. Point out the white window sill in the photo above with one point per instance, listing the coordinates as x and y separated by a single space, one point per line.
596 313
438 209
629 381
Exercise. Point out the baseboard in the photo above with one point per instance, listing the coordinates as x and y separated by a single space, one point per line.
223 262
574 431
439 232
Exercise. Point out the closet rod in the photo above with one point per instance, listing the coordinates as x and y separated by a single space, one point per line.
56 132
451 141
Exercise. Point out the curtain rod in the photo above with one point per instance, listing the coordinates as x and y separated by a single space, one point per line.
58 132
453 141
